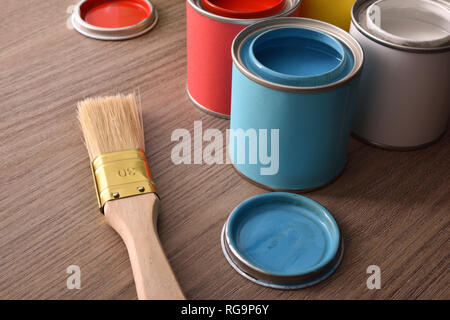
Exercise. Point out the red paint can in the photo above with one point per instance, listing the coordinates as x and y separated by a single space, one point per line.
209 63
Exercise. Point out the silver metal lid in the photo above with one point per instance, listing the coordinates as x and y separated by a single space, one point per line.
290 7
367 17
122 33
338 33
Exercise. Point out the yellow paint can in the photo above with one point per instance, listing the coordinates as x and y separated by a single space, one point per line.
336 12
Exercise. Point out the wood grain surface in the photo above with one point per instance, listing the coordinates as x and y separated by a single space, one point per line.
393 207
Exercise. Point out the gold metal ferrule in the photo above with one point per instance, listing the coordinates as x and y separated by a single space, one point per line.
121 174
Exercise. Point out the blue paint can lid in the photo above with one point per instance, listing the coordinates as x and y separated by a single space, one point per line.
297 56
282 240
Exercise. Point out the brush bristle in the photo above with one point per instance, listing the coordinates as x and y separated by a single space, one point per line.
111 124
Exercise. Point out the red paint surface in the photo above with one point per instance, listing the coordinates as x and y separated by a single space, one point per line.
244 9
114 13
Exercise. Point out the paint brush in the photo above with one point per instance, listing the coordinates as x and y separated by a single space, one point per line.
113 132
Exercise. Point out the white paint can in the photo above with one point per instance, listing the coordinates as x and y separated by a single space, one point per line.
404 95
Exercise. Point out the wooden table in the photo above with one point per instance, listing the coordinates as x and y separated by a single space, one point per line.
393 207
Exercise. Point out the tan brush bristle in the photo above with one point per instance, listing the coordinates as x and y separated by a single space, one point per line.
111 124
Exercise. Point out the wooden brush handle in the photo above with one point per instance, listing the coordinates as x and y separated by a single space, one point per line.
134 219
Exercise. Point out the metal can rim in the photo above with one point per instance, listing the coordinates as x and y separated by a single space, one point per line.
122 33
341 35
363 4
291 6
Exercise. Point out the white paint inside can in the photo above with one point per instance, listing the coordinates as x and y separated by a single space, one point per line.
415 23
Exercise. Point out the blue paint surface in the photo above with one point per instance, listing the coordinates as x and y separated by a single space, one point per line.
283 234
297 57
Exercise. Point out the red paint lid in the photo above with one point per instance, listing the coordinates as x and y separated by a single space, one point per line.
114 19
244 9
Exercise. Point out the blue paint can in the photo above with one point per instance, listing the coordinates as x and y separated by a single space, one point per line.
282 240
293 96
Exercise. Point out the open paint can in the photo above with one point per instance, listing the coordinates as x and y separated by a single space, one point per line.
209 63
239 9
336 12
114 19
293 95
282 240
404 97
